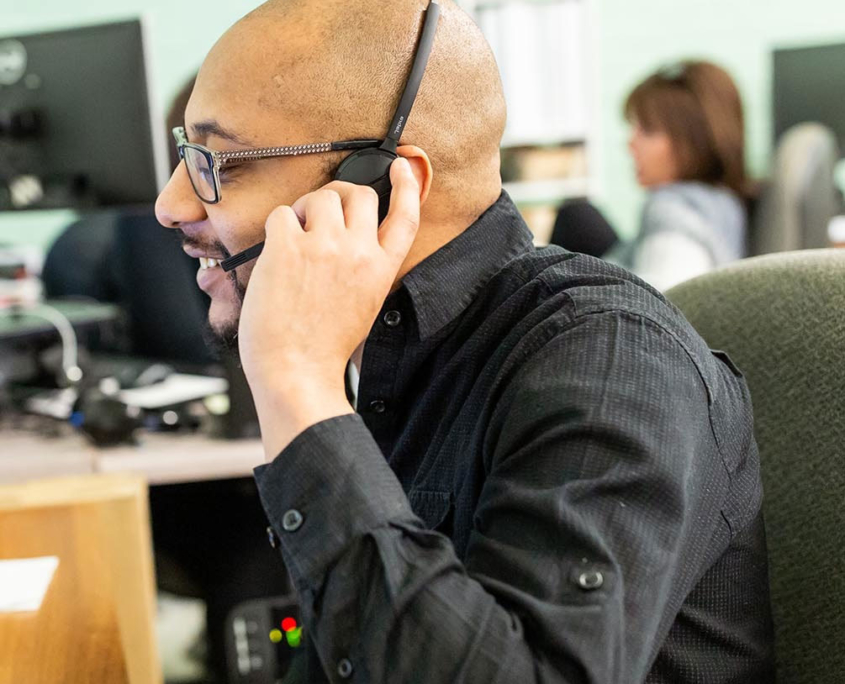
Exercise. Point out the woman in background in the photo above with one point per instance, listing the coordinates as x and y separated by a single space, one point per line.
688 144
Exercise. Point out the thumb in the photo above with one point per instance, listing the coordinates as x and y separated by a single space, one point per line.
400 226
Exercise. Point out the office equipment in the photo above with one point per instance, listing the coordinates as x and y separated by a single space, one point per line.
779 318
801 197
265 642
18 326
809 85
96 623
176 388
18 282
23 336
81 132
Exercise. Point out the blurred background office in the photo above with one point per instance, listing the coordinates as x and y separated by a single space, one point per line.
116 374
687 142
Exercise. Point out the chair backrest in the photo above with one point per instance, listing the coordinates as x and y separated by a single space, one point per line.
782 320
801 198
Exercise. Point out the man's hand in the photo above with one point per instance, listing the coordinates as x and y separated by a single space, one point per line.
313 296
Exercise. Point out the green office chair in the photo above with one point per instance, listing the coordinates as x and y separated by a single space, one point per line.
781 318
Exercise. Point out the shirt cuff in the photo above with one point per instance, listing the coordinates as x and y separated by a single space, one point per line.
326 490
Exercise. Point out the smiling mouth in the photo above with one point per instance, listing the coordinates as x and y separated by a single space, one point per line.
207 263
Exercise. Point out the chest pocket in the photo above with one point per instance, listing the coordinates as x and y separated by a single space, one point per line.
433 508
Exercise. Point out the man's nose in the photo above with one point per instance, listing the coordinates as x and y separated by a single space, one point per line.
178 203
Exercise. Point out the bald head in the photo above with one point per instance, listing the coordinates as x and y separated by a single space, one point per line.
335 69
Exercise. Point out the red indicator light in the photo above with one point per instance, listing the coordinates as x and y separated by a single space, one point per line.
288 624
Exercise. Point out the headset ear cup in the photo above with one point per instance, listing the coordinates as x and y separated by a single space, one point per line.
370 167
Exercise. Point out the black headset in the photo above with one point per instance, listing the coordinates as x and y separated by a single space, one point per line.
371 166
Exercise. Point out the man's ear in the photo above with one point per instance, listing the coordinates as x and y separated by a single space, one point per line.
420 166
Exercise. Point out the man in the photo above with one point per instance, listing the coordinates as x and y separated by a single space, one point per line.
549 476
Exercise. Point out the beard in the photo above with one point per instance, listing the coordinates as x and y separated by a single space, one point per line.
222 337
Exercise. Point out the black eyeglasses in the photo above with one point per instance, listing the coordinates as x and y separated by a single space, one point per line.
204 165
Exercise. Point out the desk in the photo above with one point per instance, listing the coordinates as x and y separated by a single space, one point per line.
161 458
80 314
96 623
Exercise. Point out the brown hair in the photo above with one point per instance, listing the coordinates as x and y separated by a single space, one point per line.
698 106
176 117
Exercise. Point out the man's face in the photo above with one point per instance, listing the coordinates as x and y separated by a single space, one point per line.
225 112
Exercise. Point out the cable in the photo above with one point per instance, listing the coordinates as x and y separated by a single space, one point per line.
70 349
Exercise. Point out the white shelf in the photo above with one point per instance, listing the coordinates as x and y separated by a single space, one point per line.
583 129
547 191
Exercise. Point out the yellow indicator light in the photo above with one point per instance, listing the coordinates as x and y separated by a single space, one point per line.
275 635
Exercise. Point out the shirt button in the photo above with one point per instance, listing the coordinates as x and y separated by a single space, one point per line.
392 319
292 520
344 668
377 406
271 537
590 580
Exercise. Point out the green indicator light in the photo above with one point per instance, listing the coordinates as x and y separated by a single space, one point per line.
294 637
275 635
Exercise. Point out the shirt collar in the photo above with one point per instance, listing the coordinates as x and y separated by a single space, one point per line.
444 284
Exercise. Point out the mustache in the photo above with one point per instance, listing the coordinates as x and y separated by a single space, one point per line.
212 247
215 247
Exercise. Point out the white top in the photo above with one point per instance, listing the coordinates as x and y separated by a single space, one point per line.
836 230
687 229
354 378
667 259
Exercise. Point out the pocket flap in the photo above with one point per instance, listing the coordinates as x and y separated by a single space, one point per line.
727 360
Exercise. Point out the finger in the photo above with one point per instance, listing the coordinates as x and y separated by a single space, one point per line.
355 200
400 227
324 212
281 225
360 207
300 207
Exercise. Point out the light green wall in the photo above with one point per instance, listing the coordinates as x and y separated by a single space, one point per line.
634 38
639 36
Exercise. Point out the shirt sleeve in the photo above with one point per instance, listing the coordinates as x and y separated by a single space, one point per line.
589 529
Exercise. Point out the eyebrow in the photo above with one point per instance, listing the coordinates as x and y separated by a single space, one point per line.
203 129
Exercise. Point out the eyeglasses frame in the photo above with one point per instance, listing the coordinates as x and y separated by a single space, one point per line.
219 159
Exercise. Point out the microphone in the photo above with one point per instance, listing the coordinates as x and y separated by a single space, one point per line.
241 258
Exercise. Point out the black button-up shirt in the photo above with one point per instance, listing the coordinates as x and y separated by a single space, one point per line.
551 478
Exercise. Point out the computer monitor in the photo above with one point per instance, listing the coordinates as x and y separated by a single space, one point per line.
76 129
809 85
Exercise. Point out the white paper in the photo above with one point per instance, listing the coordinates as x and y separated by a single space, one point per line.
23 582
176 389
